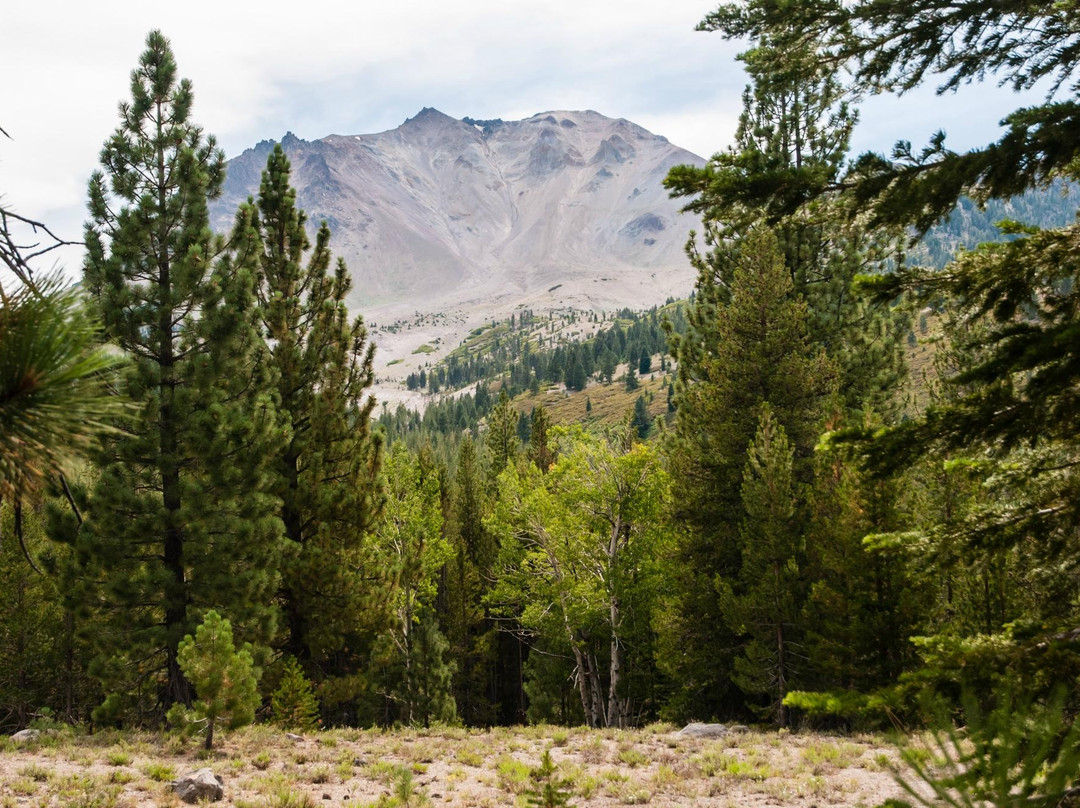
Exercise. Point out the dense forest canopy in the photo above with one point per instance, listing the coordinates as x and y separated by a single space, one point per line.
763 524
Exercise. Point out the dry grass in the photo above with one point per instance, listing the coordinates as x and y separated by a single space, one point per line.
453 766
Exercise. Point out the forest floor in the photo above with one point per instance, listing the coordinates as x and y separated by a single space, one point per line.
262 768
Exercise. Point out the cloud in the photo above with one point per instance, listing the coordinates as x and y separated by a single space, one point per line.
261 69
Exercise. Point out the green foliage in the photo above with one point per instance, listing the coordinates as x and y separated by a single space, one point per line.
575 563
744 348
414 674
42 660
224 678
327 471
764 602
293 704
55 398
181 519
1018 752
549 790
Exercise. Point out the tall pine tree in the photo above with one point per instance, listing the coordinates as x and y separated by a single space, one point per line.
182 519
327 472
754 349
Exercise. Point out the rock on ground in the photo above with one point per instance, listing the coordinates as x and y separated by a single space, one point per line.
26 735
696 730
200 785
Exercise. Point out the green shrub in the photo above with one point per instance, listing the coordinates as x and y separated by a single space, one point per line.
223 678
293 705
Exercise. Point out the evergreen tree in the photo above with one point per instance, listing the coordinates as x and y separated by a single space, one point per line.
224 678
575 375
642 420
293 704
182 518
751 350
608 363
468 629
765 601
327 472
792 138
501 438
540 451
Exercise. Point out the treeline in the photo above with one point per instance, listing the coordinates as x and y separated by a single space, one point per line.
514 353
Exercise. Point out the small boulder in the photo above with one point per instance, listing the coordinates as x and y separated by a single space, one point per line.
292 736
696 730
199 786
25 735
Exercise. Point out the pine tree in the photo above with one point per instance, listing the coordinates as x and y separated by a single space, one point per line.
791 143
642 420
469 631
764 602
182 518
327 473
223 677
293 705
501 438
753 349
539 448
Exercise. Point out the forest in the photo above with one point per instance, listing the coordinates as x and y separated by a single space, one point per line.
203 518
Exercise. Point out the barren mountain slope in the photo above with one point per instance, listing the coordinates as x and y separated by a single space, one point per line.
446 223
440 209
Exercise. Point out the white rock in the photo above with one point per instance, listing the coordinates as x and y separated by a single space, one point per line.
198 786
704 731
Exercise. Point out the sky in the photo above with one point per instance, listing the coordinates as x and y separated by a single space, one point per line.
336 67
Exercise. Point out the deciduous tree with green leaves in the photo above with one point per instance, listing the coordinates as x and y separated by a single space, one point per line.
576 546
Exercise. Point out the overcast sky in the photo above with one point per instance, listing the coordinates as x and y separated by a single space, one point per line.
332 67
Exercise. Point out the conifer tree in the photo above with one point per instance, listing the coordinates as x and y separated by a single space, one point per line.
791 143
754 348
765 601
182 518
293 705
501 438
539 447
224 678
327 473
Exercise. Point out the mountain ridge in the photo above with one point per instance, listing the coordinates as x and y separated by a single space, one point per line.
441 209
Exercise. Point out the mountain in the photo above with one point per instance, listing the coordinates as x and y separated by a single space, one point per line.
559 209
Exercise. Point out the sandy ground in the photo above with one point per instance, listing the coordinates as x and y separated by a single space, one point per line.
409 336
261 767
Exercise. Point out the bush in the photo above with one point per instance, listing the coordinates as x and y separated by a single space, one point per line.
224 679
293 705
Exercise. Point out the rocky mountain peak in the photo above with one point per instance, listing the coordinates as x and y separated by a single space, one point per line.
561 208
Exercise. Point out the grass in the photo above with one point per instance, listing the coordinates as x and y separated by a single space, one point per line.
424 349
609 402
455 766
159 772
